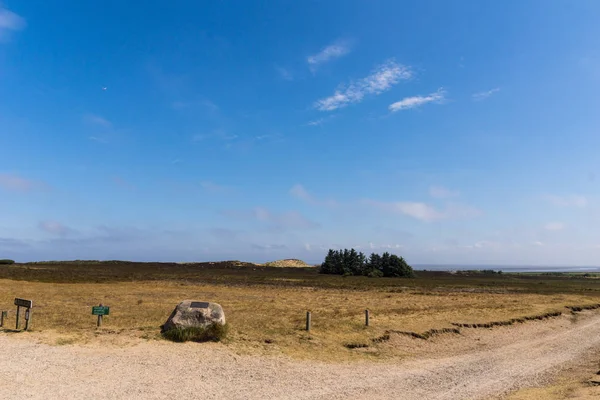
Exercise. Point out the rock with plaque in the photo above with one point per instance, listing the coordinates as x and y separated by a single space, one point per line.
193 313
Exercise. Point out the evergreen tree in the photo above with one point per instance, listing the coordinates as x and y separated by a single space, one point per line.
350 262
327 267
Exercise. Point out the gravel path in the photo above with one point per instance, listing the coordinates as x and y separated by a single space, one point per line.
160 370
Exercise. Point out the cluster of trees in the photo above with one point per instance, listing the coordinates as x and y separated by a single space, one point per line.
7 261
350 262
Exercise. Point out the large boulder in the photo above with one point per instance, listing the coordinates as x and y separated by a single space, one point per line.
193 313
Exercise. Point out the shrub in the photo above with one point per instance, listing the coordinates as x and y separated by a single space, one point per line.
7 261
211 333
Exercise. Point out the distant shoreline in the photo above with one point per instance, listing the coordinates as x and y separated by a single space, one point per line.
506 268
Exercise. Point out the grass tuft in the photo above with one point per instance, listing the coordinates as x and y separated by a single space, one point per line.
212 333
356 345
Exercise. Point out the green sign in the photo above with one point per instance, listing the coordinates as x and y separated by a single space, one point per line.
104 310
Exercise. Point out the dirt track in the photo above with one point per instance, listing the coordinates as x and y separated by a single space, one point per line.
480 364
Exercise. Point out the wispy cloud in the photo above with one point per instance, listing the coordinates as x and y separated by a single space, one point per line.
320 121
269 137
567 201
284 73
554 226
316 122
15 183
425 212
206 104
441 192
98 139
417 101
97 120
277 222
123 183
218 134
327 54
10 21
54 227
298 191
380 80
484 95
267 247
213 187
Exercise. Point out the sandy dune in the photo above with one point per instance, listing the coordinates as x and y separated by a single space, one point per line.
482 364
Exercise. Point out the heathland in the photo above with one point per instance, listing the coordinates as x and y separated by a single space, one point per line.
266 305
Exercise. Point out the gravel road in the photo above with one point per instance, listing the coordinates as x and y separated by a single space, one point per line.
502 361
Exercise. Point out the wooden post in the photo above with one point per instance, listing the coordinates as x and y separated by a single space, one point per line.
366 317
27 317
2 316
308 321
100 318
17 325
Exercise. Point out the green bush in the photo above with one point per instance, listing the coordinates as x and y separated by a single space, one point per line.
212 333
349 262
7 261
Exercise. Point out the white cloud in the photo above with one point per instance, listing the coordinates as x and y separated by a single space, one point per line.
484 95
567 201
298 191
381 79
327 54
441 192
9 21
417 101
554 226
97 120
425 212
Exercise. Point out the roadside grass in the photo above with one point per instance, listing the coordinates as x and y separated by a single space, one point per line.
211 333
266 308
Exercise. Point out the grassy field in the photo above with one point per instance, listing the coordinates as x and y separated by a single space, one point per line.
266 306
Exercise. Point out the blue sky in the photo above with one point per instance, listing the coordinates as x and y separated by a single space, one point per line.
446 132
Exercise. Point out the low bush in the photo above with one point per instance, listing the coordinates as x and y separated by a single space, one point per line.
212 333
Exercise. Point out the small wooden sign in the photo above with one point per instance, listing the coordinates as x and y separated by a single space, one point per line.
100 310
23 303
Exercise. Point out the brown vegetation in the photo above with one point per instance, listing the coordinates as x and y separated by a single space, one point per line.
266 306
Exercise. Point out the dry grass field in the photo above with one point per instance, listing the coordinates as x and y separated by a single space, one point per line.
266 307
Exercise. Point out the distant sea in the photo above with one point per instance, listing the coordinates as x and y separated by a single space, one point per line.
506 268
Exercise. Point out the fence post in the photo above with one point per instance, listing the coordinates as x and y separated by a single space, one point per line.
366 317
100 318
308 321
17 324
27 317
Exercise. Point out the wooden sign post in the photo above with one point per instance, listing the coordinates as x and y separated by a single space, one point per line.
3 315
28 304
100 311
